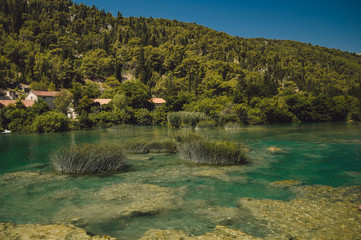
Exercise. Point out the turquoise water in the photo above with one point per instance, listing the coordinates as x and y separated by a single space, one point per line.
327 153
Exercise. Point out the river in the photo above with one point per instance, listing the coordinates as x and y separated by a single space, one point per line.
159 191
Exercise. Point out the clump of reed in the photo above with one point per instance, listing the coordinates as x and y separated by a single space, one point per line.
143 146
90 158
180 119
206 124
181 137
212 152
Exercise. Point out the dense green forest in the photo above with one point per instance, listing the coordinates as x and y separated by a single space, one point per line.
89 53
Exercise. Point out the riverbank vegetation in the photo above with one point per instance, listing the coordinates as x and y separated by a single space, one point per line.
86 53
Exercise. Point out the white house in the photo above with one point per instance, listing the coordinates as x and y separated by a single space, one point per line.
46 96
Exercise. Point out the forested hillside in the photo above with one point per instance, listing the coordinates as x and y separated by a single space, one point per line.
54 45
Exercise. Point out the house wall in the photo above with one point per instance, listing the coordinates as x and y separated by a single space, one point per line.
32 96
158 105
48 100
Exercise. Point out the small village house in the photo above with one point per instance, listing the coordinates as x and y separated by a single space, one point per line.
5 103
46 96
7 94
71 110
158 102
102 101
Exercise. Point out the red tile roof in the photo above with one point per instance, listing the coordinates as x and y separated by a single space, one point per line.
27 103
102 101
45 93
157 100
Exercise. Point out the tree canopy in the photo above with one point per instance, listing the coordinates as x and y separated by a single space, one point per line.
63 45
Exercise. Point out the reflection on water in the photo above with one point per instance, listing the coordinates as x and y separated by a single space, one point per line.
161 192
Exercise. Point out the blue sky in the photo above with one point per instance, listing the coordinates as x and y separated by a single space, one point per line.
328 23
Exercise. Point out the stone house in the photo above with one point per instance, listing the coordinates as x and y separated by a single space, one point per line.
8 94
46 96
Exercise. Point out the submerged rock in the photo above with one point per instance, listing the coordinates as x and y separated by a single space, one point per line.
9 231
221 215
220 233
147 194
156 234
315 214
332 194
285 183
16 175
122 200
273 149
29 177
213 173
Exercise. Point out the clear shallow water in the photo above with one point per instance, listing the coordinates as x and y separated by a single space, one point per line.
327 153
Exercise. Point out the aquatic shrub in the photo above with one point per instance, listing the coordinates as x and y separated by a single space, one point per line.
89 158
212 152
223 118
231 125
206 124
179 119
174 119
192 118
137 146
166 145
182 137
144 145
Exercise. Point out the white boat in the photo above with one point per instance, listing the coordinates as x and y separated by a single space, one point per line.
6 131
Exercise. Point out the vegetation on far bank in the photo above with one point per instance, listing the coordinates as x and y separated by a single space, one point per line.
86 53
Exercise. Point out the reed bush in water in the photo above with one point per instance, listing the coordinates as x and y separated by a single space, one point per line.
182 119
143 145
89 158
212 152
181 137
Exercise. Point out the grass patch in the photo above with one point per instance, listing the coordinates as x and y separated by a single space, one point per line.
183 119
143 145
206 124
90 158
181 137
212 152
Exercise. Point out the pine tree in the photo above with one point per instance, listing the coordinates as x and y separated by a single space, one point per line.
118 71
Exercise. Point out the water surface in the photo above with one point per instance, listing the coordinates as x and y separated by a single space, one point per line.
327 154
